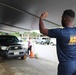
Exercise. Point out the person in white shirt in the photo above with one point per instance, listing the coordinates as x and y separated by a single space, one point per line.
29 45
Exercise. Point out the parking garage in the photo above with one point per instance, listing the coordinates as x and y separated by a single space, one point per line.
23 16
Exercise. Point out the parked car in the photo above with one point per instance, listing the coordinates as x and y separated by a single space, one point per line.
47 41
10 46
43 41
40 41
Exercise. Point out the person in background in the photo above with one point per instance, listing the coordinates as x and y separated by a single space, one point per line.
29 45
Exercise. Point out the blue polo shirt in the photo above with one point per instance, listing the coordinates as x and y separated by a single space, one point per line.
66 42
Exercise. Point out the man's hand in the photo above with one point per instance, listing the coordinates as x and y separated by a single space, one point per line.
42 29
44 15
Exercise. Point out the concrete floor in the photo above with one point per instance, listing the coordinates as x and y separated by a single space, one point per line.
30 66
47 52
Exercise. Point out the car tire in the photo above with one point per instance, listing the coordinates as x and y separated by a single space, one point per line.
24 57
42 43
47 43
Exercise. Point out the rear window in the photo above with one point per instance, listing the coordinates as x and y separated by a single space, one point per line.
8 39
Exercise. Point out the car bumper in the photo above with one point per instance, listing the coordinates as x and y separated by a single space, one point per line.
12 53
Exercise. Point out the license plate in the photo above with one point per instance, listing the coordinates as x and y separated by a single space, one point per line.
16 53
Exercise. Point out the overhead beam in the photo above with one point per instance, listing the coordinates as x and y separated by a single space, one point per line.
7 30
14 26
24 12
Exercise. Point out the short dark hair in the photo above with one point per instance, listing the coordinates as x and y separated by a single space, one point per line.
69 12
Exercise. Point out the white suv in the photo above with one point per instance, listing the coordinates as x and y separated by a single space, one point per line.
42 41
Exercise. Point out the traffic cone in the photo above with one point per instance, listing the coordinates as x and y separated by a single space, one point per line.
31 54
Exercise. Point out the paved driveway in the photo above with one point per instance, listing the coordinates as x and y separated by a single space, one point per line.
31 66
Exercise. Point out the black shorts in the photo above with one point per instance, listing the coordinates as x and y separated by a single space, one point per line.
29 48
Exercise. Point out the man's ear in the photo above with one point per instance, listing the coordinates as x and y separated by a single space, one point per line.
63 17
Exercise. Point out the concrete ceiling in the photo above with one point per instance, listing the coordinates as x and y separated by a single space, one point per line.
22 15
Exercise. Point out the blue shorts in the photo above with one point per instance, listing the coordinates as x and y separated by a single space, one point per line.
67 68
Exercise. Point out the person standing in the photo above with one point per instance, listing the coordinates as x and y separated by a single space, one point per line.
29 45
66 41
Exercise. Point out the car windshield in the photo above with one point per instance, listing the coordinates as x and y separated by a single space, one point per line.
8 39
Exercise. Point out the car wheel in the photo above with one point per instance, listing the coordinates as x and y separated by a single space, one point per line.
51 43
47 43
24 57
42 43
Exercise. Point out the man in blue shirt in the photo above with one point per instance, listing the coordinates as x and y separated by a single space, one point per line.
66 41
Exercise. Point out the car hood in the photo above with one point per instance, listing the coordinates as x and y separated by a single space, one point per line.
9 44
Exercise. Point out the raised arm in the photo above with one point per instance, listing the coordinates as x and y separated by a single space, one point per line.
42 29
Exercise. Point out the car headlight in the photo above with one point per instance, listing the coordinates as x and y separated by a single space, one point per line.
4 47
